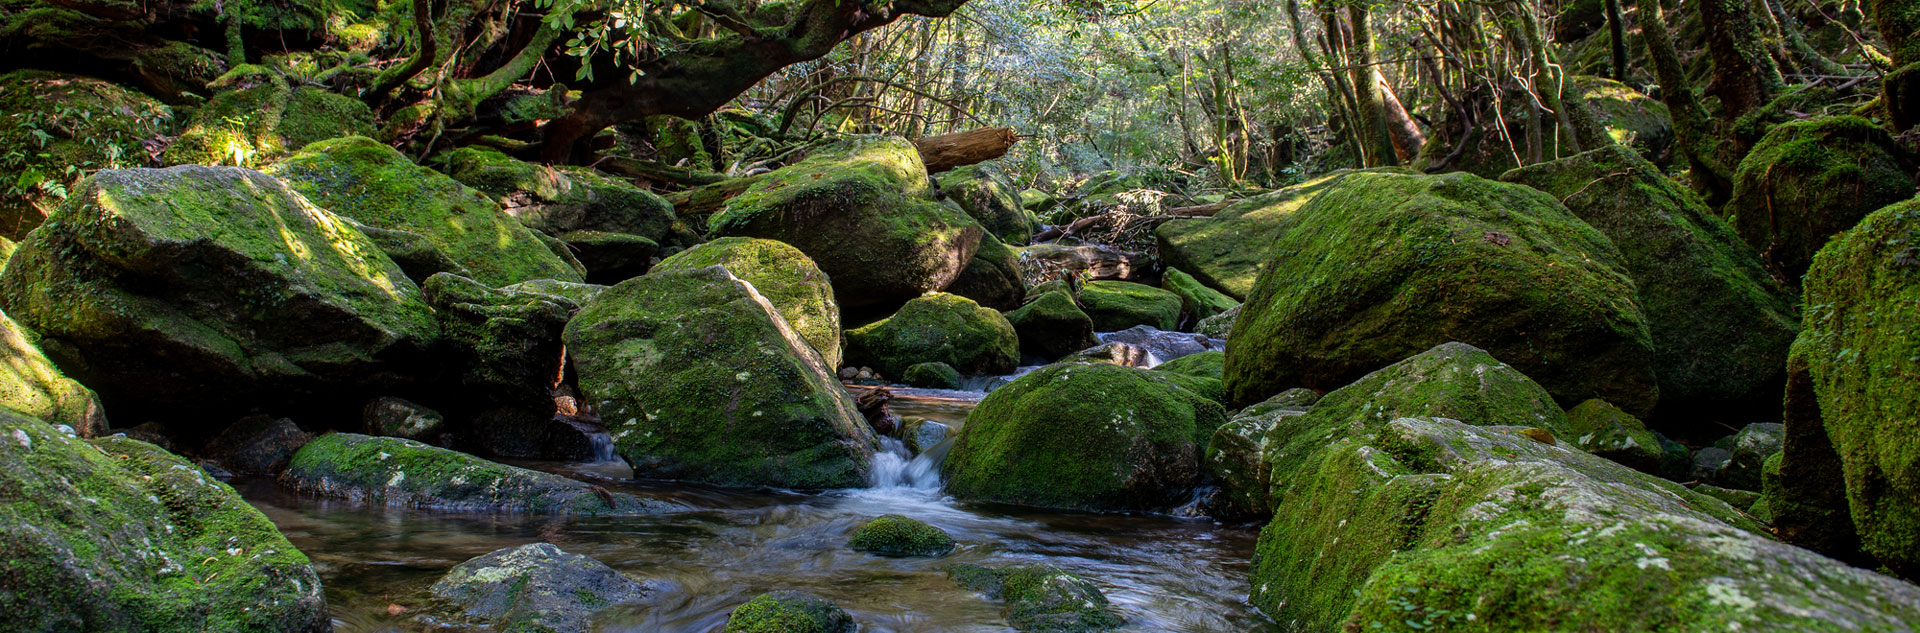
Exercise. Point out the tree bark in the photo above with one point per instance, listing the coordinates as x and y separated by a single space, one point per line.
1617 40
1899 23
1692 128
1372 104
960 149
1745 76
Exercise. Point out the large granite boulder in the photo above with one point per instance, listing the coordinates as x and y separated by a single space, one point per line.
1052 325
937 328
536 588
985 192
396 472
501 359
32 385
798 290
698 377
1225 251
993 278
1806 181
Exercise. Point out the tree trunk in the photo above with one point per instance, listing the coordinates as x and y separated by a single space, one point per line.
1692 129
1372 104
1617 40
960 149
1744 74
1899 22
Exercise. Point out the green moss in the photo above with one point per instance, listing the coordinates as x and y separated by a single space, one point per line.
239 125
1806 181
1083 436
895 535
59 128
1197 300
934 375
1041 598
985 192
359 178
30 384
993 278
1603 429
558 200
938 327
788 612
785 276
400 472
1208 364
1118 305
1225 252
1051 325
1382 266
1632 119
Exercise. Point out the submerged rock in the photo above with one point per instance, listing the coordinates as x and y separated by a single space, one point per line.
895 535
534 587
116 534
1091 436
1118 305
397 472
1042 598
1052 325
789 612
194 293
1806 181
922 435
790 281
32 385
1383 265
937 328
698 377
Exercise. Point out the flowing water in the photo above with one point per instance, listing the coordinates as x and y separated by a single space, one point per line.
1164 573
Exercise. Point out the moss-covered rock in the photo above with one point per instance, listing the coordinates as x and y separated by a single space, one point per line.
558 200
934 375
1236 455
256 117
1198 301
500 352
1631 118
895 535
1052 325
1118 305
937 328
1747 453
118 535
1381 266
785 276
993 277
1042 598
388 416
579 293
208 290
985 192
360 178
1091 436
30 384
1225 251
1603 429
610 258
398 472
1207 364
789 612
256 445
535 588
60 128
1859 349
1220 325
1720 325
1798 497
1806 181
699 378
860 208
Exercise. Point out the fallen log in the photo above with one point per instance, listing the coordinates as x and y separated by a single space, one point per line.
960 149
658 172
703 201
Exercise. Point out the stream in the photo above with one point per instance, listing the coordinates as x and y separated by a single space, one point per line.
1164 573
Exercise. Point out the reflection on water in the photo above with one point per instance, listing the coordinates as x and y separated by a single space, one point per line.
1165 574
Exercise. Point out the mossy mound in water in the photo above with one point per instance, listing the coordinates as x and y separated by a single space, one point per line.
256 117
993 277
934 375
89 123
1720 325
534 588
986 193
117 535
895 535
1092 436
1196 300
1042 598
1382 266
1858 349
1226 251
699 378
937 328
397 472
245 292
32 385
860 208
1806 181
1118 305
373 184
558 200
1052 325
789 612
785 276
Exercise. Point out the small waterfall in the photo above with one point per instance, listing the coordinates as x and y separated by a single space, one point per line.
893 467
602 446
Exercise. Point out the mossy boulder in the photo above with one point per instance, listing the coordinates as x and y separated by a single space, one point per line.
895 535
1042 598
500 351
698 377
1859 351
579 293
1197 301
1383 265
1747 453
1798 497
1118 305
63 127
1236 455
373 184
536 588
785 276
610 258
558 200
1092 436
1720 325
789 612
1806 181
256 117
1220 325
1603 429
985 192
993 277
256 445
1207 364
1631 118
31 385
1052 325
388 416
193 293
1225 251
934 375
861 209
116 534
398 472
937 328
